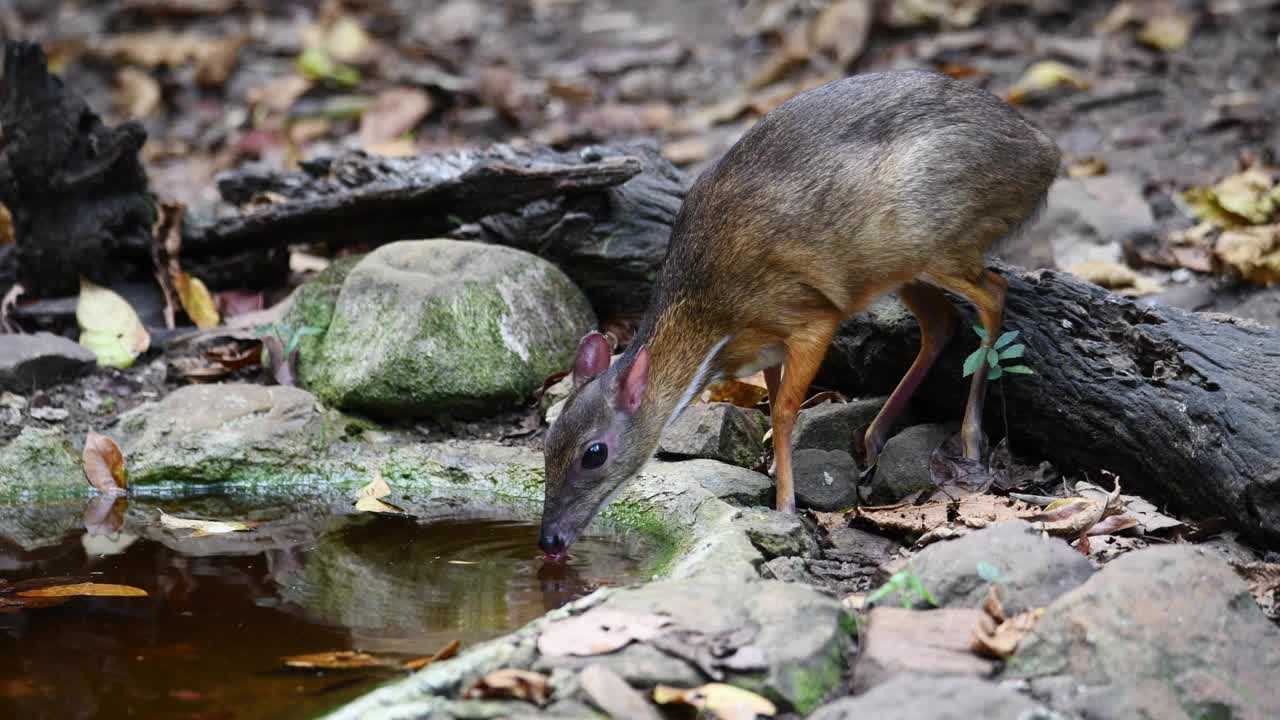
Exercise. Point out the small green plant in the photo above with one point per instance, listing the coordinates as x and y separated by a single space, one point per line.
909 587
992 356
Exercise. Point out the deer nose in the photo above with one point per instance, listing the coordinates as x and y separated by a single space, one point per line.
552 543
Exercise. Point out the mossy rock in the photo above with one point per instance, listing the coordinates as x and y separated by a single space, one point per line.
39 463
443 328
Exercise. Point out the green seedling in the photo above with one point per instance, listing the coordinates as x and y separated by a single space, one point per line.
909 587
1001 350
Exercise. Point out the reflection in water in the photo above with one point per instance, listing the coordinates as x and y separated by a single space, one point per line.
222 611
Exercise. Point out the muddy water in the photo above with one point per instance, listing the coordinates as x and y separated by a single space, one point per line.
223 610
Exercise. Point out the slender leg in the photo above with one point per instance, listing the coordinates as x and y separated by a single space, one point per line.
987 294
804 354
772 378
937 318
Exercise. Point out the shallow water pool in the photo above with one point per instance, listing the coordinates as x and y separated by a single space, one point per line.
223 611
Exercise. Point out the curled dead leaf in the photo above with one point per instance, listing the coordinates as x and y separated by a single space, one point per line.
1072 517
104 464
443 653
511 685
997 636
1251 253
1043 76
1166 31
1115 276
725 702
598 631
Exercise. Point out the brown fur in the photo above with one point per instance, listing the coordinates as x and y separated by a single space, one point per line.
838 196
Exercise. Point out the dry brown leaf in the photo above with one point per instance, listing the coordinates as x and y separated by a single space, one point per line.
1121 14
1249 197
725 702
104 514
88 589
233 357
199 371
746 393
219 58
104 464
998 637
598 631
949 14
1091 166
137 94
686 151
511 685
337 660
974 511
6 225
443 653
842 30
1115 276
394 112
1072 517
1264 584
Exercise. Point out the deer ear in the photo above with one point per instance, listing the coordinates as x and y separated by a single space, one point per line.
633 383
592 358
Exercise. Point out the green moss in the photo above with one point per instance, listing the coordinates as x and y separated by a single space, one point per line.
664 542
810 685
312 306
40 464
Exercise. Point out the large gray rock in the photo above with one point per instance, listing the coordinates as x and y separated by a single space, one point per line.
911 696
717 431
930 642
445 327
833 425
903 466
825 480
31 362
39 462
778 534
1032 569
1085 219
806 660
853 545
730 483
232 432
1168 632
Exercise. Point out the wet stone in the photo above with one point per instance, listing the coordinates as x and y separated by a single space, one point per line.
825 480
717 431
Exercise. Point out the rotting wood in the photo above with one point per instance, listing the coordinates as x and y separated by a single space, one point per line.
1183 407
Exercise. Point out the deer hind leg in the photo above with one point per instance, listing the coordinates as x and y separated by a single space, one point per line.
937 318
987 293
804 354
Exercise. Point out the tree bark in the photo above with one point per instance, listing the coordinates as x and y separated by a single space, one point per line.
1183 407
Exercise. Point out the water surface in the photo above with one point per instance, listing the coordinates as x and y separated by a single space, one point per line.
223 610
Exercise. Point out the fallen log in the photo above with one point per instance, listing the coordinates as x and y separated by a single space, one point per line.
603 214
1184 407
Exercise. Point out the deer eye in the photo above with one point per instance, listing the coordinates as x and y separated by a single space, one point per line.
595 456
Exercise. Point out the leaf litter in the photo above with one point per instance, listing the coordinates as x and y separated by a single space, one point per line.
599 631
726 702
104 464
510 684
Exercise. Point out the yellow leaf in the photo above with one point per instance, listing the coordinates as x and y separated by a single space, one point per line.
104 463
372 504
202 527
1251 253
377 487
726 702
1166 32
196 301
1046 75
109 327
1087 167
346 40
85 589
